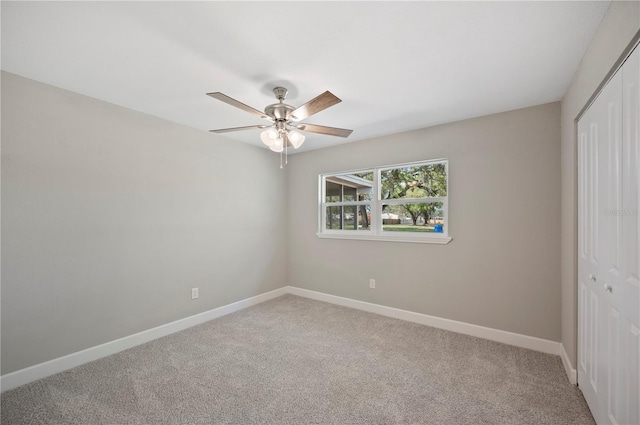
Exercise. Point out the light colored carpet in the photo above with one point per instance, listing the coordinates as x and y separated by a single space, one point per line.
293 360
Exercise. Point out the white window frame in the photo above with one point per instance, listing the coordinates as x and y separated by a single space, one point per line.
376 233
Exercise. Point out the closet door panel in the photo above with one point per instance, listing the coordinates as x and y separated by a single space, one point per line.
630 209
612 399
592 324
626 294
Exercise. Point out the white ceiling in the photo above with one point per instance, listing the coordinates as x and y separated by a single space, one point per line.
397 66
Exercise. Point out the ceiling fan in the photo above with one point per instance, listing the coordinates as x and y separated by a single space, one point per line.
281 133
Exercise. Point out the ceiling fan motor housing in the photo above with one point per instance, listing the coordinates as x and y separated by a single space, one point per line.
279 111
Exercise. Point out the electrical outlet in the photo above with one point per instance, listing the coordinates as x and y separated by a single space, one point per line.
372 283
194 293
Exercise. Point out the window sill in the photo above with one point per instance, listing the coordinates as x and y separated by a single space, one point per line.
440 239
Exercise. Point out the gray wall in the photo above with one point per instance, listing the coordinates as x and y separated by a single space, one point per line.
502 269
110 216
617 29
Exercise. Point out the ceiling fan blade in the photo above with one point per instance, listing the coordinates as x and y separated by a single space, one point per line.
314 106
331 131
231 101
249 127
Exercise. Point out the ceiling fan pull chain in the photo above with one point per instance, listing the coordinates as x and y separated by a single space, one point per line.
281 160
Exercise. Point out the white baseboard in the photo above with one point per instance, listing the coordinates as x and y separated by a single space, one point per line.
572 374
519 340
51 367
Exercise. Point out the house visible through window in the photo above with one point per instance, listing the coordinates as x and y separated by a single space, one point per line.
405 202
349 196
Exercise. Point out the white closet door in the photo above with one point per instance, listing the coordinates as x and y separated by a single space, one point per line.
624 348
587 308
600 141
608 251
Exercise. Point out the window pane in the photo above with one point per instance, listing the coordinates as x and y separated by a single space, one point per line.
349 193
350 220
348 217
426 217
364 217
334 217
349 187
424 181
333 192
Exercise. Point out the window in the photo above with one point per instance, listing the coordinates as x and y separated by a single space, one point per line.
348 198
405 202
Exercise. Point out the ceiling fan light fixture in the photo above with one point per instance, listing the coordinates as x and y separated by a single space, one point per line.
277 147
295 138
269 136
